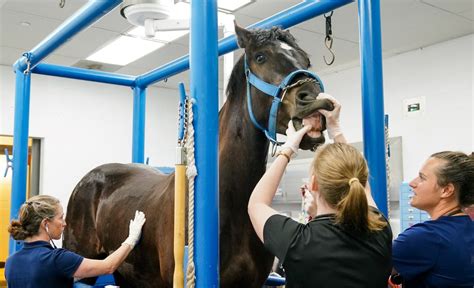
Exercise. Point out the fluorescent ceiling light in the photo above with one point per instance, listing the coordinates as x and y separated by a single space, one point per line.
124 50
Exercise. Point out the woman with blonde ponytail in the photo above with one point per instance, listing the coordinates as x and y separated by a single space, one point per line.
348 242
341 174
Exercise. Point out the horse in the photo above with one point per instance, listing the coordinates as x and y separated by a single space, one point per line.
105 199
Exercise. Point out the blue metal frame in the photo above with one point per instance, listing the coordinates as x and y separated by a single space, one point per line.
372 98
20 147
203 57
84 74
138 136
204 76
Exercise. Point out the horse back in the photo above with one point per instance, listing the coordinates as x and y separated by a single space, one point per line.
100 209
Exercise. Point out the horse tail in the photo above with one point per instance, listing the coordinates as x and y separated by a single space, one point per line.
80 234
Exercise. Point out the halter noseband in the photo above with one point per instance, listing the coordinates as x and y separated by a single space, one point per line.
278 93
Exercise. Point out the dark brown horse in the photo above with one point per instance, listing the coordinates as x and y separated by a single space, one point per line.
104 201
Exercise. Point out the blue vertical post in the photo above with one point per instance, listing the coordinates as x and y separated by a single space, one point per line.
20 147
372 98
204 75
138 137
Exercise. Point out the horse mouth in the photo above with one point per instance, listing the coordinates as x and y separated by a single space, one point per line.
316 122
308 114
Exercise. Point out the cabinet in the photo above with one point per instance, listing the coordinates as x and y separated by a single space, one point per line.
409 215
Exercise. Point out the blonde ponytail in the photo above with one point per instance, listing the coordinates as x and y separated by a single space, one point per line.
353 207
341 172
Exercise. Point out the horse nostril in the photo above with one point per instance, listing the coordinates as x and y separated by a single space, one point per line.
305 96
302 95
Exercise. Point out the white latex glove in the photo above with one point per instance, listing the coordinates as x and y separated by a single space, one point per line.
332 117
294 137
135 229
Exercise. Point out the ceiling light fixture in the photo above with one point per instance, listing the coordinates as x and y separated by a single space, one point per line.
124 50
160 36
160 20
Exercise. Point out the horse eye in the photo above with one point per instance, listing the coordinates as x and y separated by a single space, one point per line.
260 58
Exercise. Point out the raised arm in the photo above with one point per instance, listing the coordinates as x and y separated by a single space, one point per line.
259 208
92 267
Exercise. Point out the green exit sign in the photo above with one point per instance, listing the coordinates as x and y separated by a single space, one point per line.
413 107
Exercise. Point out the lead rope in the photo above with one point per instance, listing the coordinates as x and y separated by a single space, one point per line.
387 163
191 173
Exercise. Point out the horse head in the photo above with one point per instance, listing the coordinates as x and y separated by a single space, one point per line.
276 66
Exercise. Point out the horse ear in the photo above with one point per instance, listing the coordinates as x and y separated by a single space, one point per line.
243 35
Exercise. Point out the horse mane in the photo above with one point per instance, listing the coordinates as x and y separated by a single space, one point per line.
259 38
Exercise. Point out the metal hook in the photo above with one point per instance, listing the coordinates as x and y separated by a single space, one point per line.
328 43
62 3
328 40
329 14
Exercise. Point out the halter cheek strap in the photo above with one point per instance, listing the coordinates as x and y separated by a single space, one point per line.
278 94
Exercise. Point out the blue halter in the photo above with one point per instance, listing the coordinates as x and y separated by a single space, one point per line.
277 92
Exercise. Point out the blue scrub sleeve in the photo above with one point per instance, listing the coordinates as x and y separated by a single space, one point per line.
415 251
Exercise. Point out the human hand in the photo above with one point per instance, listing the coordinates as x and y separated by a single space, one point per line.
309 203
135 229
332 117
294 137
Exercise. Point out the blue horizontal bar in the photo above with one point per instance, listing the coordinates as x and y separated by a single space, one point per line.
286 18
83 18
84 74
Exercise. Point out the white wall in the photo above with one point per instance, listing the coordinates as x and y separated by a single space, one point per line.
443 74
87 124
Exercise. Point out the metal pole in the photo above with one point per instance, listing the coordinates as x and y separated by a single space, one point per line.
372 98
138 137
84 74
204 76
20 147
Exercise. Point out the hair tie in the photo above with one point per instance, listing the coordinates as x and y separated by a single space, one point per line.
352 180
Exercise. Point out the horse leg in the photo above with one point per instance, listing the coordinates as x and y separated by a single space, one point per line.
120 281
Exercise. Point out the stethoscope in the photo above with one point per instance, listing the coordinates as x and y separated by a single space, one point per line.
50 239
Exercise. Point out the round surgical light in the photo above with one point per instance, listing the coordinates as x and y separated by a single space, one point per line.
137 11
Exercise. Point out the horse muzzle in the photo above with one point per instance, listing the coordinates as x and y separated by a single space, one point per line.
306 107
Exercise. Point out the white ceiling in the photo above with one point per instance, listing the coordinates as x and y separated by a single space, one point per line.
406 25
